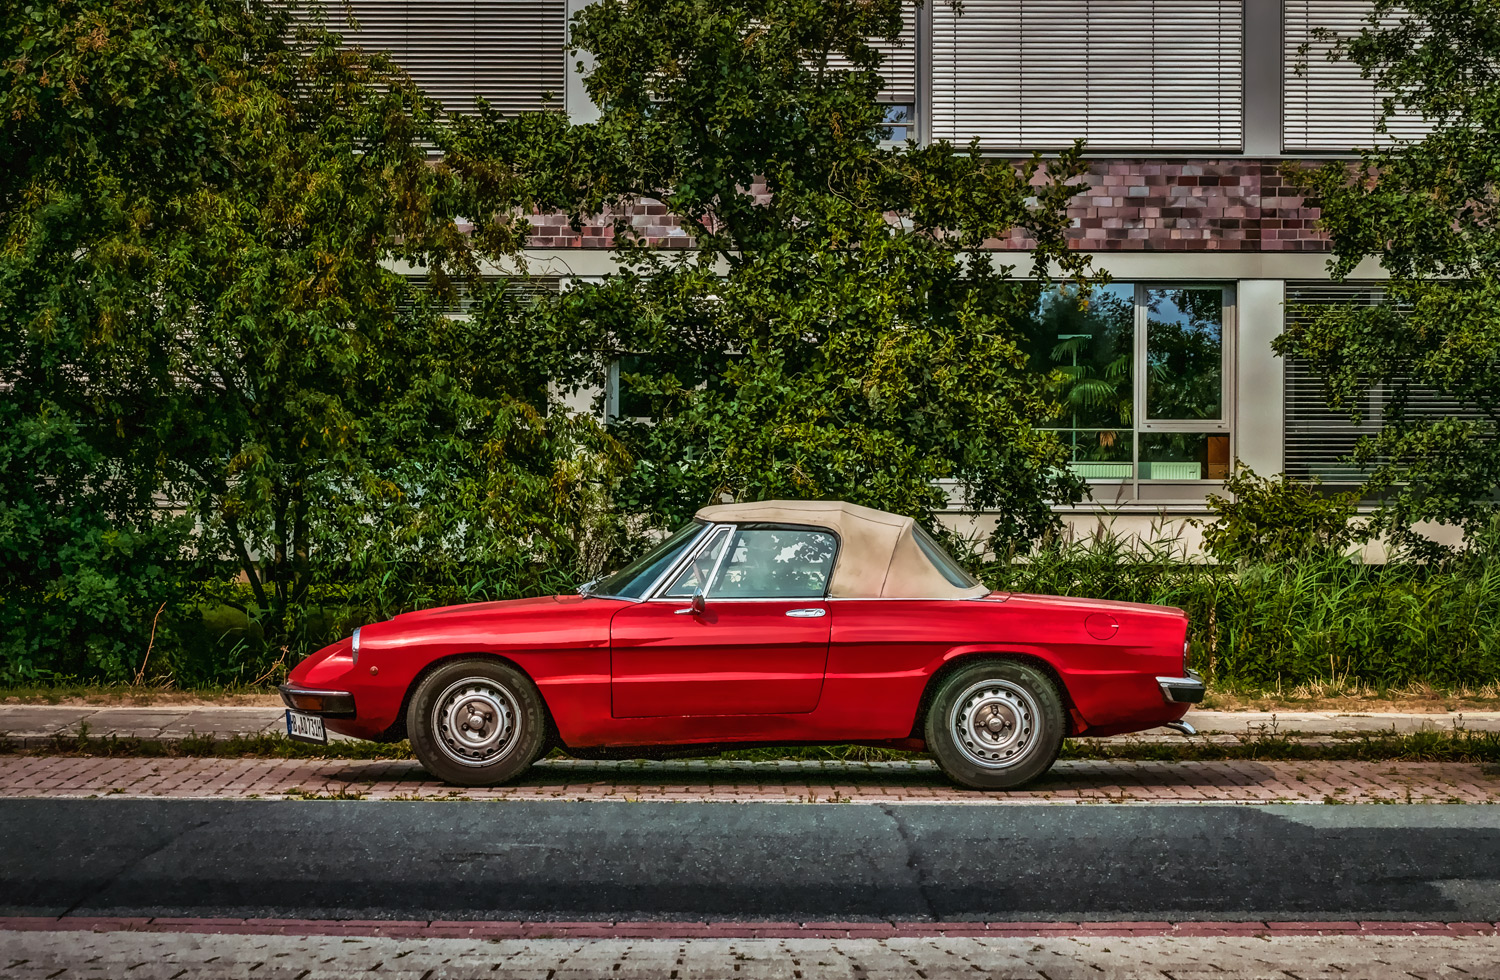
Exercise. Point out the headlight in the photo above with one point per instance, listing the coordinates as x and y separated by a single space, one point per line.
354 644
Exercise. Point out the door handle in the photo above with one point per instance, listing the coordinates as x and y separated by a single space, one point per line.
807 613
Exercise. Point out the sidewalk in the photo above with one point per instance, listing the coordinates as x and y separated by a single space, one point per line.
37 725
1057 954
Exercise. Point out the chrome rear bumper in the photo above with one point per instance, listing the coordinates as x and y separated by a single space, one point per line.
1188 689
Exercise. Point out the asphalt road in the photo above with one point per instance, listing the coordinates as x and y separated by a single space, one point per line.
680 861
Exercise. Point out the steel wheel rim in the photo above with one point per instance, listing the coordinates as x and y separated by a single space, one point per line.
477 721
994 723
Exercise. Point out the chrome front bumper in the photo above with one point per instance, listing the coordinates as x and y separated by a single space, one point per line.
324 704
1182 690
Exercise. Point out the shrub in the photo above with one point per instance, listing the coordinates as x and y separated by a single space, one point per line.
1276 519
1320 617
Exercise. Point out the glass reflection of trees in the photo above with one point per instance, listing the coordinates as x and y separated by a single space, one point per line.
785 563
1085 340
1184 353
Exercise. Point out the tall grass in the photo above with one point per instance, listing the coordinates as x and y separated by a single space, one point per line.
1315 620
1321 618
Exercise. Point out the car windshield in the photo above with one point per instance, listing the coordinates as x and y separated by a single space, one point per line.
632 581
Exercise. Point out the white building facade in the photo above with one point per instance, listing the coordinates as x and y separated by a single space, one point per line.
1190 109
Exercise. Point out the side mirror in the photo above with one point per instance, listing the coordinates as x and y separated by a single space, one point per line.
697 601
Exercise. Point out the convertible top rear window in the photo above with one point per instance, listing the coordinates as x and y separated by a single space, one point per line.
951 570
632 581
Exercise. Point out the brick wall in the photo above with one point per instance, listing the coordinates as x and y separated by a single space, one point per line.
1128 205
1182 205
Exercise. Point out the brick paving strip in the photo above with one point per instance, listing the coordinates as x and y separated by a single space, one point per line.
38 725
917 781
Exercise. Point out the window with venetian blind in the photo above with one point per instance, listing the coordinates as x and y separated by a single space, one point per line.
899 70
1319 439
1121 74
1326 105
507 52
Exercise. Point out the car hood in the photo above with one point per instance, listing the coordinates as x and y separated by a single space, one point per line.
488 610
493 625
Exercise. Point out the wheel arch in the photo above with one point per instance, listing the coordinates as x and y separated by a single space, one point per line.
962 660
439 662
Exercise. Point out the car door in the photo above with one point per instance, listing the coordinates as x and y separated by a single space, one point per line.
756 644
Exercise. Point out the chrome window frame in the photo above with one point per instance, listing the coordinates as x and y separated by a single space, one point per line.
694 551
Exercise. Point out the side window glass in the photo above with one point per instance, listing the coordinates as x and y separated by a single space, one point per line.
700 569
776 564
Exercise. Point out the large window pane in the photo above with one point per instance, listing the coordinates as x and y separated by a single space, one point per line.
1185 354
1184 456
1100 454
1087 341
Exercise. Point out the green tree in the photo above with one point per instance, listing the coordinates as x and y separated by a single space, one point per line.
1426 209
835 329
203 335
103 124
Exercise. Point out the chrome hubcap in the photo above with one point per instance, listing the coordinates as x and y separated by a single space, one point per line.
476 721
994 723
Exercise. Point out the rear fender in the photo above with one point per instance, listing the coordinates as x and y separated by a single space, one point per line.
959 657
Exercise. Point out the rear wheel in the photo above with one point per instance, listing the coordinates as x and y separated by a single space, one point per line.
476 722
996 724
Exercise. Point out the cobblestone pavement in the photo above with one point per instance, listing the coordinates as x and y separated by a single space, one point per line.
812 782
190 956
39 724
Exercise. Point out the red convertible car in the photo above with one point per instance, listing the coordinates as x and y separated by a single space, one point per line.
782 622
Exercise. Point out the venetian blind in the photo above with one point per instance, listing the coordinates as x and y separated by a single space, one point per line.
507 52
899 69
1327 105
1122 74
463 303
1319 439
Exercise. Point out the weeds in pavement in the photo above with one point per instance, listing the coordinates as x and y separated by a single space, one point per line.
297 793
1428 746
271 746
122 694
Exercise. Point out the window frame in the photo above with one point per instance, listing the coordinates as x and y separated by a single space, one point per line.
1140 425
1143 423
706 543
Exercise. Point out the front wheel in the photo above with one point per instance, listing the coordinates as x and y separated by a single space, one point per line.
476 722
997 724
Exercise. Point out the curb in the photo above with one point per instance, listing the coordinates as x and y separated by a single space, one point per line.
492 930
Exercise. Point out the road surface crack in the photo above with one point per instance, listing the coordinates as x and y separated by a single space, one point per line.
912 864
132 865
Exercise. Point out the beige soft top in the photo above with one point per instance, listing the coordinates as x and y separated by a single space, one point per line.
879 557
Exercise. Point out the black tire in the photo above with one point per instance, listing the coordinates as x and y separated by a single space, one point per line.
995 724
508 735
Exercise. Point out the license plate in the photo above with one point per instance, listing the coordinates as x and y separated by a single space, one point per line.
305 728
